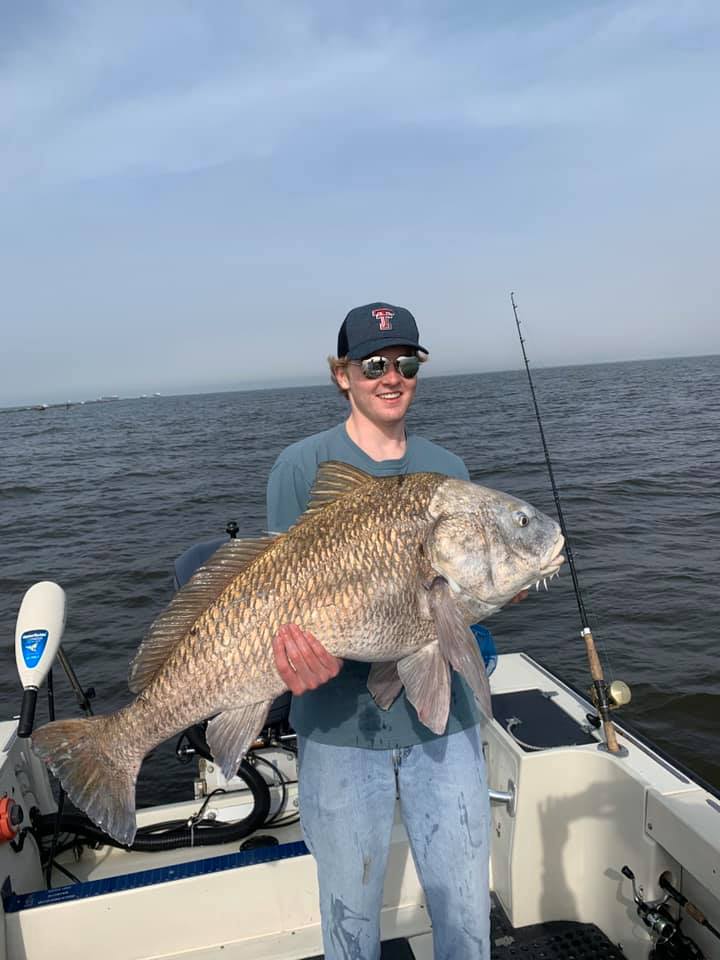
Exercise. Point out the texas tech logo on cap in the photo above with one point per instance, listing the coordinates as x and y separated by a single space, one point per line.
383 315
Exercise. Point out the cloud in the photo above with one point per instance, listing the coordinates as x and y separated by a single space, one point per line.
207 179
109 90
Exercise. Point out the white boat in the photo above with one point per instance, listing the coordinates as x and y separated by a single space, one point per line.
570 823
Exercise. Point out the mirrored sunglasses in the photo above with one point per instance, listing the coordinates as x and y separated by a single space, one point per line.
375 367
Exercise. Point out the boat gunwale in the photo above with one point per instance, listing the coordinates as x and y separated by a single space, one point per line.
630 731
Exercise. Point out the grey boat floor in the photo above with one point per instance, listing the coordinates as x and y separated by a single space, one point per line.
559 940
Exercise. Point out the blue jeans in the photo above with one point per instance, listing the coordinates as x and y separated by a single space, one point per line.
347 804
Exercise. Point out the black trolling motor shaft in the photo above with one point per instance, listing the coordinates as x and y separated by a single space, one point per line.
596 671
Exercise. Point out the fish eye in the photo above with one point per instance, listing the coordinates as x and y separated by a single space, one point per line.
521 519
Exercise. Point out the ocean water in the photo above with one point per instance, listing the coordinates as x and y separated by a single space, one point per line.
103 497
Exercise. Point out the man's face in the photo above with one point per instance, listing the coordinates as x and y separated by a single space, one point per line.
385 400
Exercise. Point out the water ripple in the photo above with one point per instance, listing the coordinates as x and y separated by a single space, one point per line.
118 490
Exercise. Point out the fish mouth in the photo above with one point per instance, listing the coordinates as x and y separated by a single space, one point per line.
549 571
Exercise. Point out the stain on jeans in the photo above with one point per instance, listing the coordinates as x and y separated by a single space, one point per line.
343 938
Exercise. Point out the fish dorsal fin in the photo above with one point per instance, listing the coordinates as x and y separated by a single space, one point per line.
333 481
205 585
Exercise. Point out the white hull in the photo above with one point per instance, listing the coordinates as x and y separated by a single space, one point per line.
580 814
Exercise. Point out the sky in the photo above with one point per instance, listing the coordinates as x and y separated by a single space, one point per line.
192 195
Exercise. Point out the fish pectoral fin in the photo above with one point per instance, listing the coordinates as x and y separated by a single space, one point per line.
458 644
384 683
230 734
426 678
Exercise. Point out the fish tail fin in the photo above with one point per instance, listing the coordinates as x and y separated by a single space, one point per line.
97 779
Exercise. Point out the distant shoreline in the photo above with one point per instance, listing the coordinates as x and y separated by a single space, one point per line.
317 381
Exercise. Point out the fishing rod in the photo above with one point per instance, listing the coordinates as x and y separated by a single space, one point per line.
604 696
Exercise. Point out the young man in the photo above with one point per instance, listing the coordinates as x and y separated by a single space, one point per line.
354 757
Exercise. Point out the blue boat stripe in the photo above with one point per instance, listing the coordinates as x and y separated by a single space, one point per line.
15 902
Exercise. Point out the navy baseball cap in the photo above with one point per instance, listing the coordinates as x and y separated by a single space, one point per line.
368 329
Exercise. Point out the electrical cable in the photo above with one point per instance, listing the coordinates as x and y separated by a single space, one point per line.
174 834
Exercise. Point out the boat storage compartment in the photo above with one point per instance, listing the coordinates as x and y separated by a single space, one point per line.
536 722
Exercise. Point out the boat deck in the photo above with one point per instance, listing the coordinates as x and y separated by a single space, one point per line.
542 941
559 940
566 817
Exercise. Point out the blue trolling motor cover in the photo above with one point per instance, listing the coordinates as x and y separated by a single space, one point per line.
487 646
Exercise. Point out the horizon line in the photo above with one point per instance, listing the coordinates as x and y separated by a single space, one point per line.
313 380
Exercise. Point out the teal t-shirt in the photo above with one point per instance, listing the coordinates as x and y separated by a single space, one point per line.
342 712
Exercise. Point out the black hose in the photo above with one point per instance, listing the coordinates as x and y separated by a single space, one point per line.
147 840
